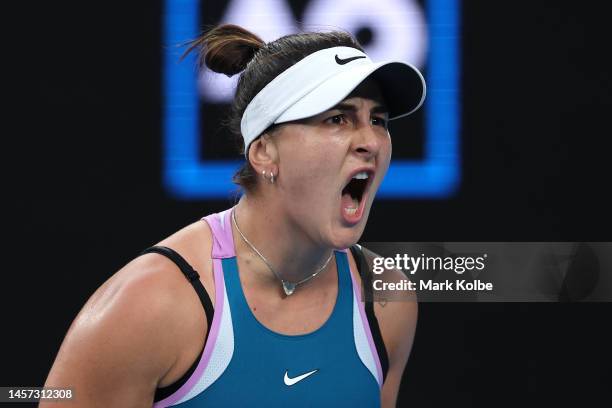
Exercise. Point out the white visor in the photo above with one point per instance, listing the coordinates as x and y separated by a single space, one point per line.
323 79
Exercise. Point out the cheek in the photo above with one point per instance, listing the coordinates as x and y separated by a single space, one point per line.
306 173
385 153
310 168
309 155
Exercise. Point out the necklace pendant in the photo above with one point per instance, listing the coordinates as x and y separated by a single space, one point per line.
288 287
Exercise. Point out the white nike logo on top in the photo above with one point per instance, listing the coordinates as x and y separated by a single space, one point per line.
294 380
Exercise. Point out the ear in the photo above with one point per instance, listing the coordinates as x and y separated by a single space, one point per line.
263 154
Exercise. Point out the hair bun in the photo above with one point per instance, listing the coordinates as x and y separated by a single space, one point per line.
226 49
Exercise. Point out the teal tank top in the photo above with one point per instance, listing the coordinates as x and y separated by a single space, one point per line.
246 364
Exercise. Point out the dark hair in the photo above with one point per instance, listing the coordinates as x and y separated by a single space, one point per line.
229 49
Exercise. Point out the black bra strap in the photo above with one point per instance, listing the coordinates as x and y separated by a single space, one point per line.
366 281
194 278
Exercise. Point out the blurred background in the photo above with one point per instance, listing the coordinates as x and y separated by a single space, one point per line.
520 120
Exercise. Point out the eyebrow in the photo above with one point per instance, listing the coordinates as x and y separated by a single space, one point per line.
352 108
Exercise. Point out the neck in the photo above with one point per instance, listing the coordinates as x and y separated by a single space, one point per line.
292 254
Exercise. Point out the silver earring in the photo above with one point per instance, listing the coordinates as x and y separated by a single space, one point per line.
271 179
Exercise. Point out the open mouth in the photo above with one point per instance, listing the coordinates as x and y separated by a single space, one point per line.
354 195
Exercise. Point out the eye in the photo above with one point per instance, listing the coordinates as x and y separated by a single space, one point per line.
377 121
337 119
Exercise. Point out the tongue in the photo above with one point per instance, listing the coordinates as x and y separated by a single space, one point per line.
348 201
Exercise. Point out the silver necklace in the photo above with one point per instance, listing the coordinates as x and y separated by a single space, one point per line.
288 287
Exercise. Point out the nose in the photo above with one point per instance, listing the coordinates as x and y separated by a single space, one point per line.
367 142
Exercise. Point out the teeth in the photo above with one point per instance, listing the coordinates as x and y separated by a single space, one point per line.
361 176
352 210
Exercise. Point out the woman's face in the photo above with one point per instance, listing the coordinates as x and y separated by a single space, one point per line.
331 165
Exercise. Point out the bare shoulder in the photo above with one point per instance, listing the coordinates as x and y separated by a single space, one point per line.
136 332
194 243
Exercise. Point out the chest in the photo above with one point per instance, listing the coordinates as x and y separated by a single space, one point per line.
306 310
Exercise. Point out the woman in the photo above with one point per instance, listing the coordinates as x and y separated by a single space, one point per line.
287 326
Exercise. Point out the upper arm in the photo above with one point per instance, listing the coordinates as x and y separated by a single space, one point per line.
121 343
397 321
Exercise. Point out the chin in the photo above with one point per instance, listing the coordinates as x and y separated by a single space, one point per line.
346 237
